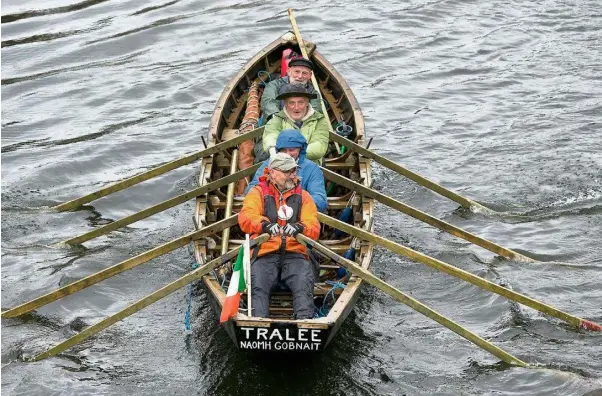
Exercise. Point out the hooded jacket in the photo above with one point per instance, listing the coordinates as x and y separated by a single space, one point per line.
310 175
270 105
314 129
252 216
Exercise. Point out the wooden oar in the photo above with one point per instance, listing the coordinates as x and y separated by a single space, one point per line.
158 171
465 202
146 301
459 273
314 82
230 201
414 304
417 214
161 206
118 268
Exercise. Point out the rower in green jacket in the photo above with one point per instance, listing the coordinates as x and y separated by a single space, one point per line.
298 114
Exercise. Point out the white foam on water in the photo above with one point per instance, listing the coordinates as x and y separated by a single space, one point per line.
580 197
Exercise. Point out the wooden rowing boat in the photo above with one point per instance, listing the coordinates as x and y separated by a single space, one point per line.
279 332
350 169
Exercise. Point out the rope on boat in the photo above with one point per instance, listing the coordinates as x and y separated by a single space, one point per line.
323 311
264 82
249 122
187 326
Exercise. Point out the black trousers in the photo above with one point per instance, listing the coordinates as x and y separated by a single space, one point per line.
295 271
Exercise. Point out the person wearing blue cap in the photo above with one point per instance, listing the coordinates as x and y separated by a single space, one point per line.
292 142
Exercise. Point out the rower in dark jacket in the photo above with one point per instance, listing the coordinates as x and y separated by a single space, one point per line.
299 71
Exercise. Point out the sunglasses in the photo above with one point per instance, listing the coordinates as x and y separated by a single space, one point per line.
288 172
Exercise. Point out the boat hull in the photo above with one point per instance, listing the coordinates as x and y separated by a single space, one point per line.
280 333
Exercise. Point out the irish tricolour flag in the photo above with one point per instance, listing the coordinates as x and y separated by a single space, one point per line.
237 283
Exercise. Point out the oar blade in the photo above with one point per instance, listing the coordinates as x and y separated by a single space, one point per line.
425 217
465 202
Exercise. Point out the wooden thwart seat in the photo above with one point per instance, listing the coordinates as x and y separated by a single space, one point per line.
281 303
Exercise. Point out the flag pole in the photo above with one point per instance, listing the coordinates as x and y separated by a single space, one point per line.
247 267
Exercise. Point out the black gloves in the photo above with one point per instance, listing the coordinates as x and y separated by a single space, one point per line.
271 228
275 228
293 229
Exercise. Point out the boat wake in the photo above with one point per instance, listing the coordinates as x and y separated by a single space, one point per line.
582 203
29 209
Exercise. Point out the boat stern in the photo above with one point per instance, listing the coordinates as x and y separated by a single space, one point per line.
282 336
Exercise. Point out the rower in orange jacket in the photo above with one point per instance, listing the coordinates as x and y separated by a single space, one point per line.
278 206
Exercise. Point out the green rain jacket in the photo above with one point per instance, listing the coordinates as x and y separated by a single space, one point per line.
314 129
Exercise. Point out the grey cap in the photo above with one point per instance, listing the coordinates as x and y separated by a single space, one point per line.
283 162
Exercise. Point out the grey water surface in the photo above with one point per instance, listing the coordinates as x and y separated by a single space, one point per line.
500 101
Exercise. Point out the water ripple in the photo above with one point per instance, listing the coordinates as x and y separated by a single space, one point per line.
499 101
49 11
